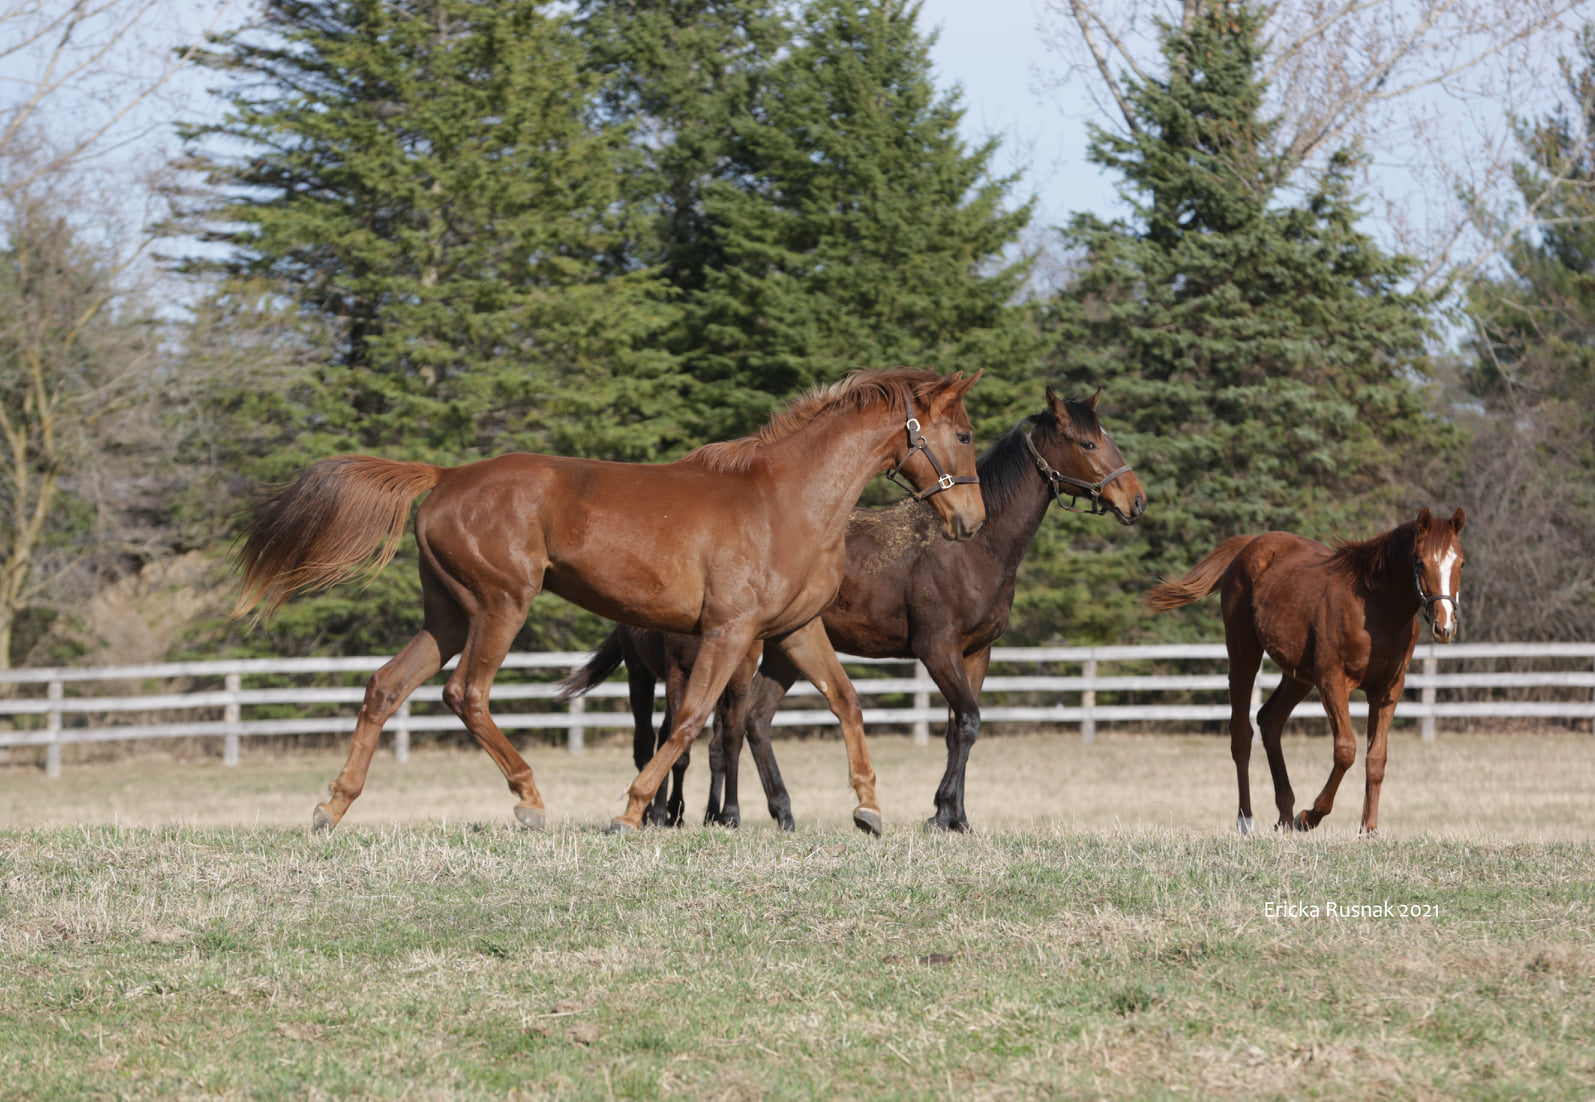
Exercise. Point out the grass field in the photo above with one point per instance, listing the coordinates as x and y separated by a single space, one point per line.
170 930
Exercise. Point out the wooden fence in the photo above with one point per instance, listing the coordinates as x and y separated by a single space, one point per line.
1077 687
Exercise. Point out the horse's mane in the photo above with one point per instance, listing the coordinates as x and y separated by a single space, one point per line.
1006 466
1365 560
859 390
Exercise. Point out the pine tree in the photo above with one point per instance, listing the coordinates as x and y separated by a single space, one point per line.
428 182
855 228
680 74
1260 355
425 174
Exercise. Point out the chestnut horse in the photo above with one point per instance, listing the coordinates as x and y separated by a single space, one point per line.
735 542
1332 620
905 595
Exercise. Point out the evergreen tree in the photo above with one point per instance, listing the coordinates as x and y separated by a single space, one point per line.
854 228
426 180
680 74
425 174
1260 357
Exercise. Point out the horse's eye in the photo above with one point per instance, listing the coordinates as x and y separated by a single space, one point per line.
1088 445
965 438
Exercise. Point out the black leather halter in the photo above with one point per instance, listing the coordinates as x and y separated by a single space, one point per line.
916 443
1057 480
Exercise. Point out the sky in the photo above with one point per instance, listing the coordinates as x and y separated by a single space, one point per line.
994 50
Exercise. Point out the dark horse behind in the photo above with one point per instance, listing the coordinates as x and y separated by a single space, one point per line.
1335 620
737 542
905 594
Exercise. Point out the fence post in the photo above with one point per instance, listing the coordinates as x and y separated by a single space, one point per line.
921 701
401 733
575 734
52 724
1088 701
1431 667
230 713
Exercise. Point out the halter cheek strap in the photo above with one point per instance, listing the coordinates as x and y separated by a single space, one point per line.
1057 480
917 443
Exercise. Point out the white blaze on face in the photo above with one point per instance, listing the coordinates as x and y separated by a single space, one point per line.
1445 612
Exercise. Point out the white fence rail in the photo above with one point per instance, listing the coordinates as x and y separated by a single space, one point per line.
1053 685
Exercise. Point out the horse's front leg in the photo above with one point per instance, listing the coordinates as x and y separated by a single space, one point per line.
1380 712
774 678
959 678
731 717
722 650
811 652
1336 696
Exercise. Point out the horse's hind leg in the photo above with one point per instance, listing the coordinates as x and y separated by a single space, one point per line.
422 657
1335 695
466 692
1245 656
1271 718
811 652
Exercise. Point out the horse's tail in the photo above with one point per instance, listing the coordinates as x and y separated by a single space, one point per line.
1203 578
604 661
318 529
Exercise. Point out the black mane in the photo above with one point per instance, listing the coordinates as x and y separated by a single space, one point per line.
1006 465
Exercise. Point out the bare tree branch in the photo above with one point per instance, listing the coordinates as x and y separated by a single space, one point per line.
1427 89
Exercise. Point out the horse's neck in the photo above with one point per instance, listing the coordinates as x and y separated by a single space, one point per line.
831 460
1394 584
1013 519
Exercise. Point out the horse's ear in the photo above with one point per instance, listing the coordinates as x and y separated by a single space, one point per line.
958 386
1424 519
1458 519
1092 403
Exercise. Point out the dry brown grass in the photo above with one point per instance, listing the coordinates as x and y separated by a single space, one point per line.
1522 787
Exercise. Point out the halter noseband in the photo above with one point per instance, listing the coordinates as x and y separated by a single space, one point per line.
1428 601
1056 479
917 443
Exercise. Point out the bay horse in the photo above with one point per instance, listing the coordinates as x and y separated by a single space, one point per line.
735 542
905 595
1334 620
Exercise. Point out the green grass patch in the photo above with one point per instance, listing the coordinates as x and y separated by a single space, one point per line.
467 962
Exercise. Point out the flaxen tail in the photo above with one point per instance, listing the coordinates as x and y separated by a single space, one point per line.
604 661
1202 579
321 528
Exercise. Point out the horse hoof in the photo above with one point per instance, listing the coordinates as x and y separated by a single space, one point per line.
1302 823
656 817
868 820
785 823
620 826
532 818
1243 823
1368 832
935 825
731 817
321 820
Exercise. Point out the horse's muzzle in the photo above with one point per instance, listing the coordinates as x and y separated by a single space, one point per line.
1137 510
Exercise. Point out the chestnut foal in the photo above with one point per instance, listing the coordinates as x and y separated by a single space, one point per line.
1335 620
